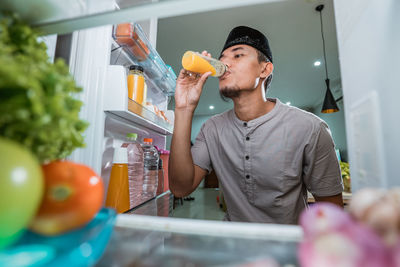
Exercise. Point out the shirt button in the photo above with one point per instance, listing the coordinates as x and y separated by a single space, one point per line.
245 124
247 176
247 157
247 138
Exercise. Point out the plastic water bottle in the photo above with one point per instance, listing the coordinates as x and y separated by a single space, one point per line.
150 158
135 169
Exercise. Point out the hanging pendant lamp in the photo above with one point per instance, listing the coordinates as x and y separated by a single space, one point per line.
329 105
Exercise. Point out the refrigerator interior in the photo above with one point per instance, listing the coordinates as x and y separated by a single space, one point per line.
100 66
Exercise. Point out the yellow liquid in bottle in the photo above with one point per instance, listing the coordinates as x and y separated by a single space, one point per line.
136 87
196 62
118 188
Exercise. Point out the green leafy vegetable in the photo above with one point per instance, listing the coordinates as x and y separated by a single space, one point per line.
345 169
37 107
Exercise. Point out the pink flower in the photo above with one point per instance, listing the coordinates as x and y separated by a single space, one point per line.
332 238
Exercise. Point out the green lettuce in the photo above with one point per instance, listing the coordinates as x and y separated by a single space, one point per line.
37 104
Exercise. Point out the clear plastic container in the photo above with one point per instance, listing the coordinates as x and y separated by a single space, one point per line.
127 35
150 179
135 169
81 247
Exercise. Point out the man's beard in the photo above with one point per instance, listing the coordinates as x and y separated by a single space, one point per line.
229 92
232 92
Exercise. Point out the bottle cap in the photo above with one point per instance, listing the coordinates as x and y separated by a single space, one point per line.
132 136
136 67
120 155
148 140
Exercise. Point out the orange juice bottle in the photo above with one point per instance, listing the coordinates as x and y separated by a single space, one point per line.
196 62
136 84
118 186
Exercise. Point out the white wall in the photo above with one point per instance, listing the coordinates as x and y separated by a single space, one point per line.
369 40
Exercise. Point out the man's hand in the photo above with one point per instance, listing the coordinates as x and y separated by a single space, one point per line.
189 86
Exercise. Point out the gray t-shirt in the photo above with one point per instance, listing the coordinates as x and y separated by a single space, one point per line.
265 166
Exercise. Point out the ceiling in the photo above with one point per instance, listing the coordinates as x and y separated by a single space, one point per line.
293 30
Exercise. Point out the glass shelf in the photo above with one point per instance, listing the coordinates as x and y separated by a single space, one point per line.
54 16
156 241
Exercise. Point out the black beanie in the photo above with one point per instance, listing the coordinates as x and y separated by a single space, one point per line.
248 36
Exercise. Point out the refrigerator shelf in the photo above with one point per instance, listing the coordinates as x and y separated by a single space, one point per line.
142 240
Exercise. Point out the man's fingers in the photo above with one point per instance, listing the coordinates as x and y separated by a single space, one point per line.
182 73
185 73
193 76
205 53
204 77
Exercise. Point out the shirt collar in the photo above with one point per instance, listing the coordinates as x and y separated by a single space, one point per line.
260 120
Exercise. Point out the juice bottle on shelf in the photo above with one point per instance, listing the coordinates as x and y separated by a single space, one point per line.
136 84
118 186
164 156
160 186
150 158
135 168
196 62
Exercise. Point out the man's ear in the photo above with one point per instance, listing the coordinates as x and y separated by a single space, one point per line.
267 69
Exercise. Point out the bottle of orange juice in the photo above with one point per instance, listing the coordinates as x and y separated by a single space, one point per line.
118 186
196 62
136 84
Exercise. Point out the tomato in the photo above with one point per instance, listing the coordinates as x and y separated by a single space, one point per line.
73 195
21 189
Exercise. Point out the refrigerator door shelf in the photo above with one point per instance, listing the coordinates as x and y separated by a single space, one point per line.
138 50
154 81
116 101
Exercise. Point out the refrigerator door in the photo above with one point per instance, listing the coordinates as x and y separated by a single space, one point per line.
111 115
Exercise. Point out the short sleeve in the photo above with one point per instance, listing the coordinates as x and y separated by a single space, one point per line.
200 153
321 170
